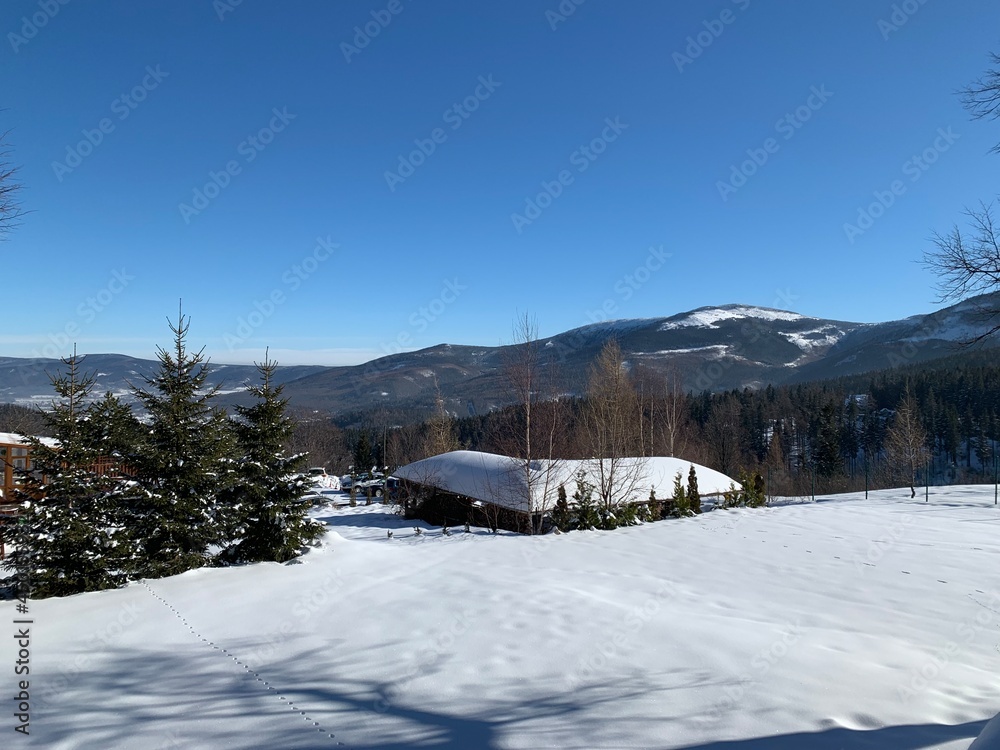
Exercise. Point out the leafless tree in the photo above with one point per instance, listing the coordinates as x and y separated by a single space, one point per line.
10 206
722 433
906 441
968 263
676 423
322 440
982 97
531 430
440 436
611 416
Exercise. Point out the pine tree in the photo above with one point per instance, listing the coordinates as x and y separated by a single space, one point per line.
693 496
680 499
266 498
827 458
182 464
562 517
69 536
652 507
364 459
587 516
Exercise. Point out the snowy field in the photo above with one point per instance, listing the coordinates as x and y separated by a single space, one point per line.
790 627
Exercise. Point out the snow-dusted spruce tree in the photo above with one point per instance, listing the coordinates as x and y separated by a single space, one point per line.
69 538
182 464
562 516
266 498
693 496
586 513
680 498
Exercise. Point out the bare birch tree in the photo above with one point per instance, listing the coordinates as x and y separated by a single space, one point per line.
610 417
906 441
531 430
676 423
440 428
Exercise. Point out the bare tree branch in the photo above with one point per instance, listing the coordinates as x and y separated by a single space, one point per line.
10 206
967 264
982 97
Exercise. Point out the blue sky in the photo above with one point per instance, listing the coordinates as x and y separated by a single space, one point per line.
340 180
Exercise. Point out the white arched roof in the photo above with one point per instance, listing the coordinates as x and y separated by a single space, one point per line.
503 480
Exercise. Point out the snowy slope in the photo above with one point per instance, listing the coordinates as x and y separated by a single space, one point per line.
709 317
785 628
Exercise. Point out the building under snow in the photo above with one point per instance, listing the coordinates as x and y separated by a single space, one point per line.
488 489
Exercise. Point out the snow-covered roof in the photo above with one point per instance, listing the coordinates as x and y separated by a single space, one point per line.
503 480
13 438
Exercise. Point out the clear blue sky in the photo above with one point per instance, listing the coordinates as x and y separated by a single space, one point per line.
182 90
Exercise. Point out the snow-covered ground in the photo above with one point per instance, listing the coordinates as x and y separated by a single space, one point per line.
828 625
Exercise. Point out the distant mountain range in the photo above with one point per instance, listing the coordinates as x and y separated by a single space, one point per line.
711 348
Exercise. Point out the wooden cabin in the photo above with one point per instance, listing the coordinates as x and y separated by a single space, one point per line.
15 455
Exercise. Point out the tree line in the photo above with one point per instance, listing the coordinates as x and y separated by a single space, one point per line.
889 428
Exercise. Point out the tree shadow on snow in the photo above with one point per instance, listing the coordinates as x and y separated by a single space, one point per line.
907 737
193 695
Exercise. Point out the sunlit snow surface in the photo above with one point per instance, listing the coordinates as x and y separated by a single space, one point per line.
707 317
843 623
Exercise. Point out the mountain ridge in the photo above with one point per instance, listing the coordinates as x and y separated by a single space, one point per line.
714 347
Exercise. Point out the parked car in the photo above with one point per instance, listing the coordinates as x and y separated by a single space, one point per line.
379 486
321 481
347 480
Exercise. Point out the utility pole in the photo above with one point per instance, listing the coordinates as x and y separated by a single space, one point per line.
927 480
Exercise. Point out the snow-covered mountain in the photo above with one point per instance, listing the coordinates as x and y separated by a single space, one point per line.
711 348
